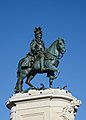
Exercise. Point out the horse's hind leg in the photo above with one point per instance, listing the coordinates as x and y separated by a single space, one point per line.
19 86
29 78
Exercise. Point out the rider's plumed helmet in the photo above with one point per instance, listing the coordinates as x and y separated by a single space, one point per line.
37 30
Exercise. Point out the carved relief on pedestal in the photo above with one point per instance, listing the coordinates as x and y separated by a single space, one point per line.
69 111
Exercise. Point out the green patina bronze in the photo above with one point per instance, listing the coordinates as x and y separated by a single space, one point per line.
40 60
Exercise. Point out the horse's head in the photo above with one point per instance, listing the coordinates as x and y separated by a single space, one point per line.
61 45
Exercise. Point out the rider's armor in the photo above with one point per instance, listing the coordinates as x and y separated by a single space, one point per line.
37 49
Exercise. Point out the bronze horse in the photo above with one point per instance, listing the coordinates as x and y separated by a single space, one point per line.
51 62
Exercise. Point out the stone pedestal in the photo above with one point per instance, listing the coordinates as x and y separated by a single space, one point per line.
48 104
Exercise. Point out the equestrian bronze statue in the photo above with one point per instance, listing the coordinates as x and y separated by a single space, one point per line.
40 60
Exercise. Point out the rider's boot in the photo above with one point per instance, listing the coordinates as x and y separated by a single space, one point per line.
42 64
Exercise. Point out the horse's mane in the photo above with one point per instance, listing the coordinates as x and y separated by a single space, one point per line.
54 43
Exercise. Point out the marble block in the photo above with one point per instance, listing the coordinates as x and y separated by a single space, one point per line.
48 104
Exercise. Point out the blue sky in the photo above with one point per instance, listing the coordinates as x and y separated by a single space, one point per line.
58 18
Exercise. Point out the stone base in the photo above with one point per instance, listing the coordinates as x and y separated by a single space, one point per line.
48 104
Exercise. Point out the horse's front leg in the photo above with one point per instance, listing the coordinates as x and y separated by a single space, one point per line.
53 66
52 77
55 75
54 69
